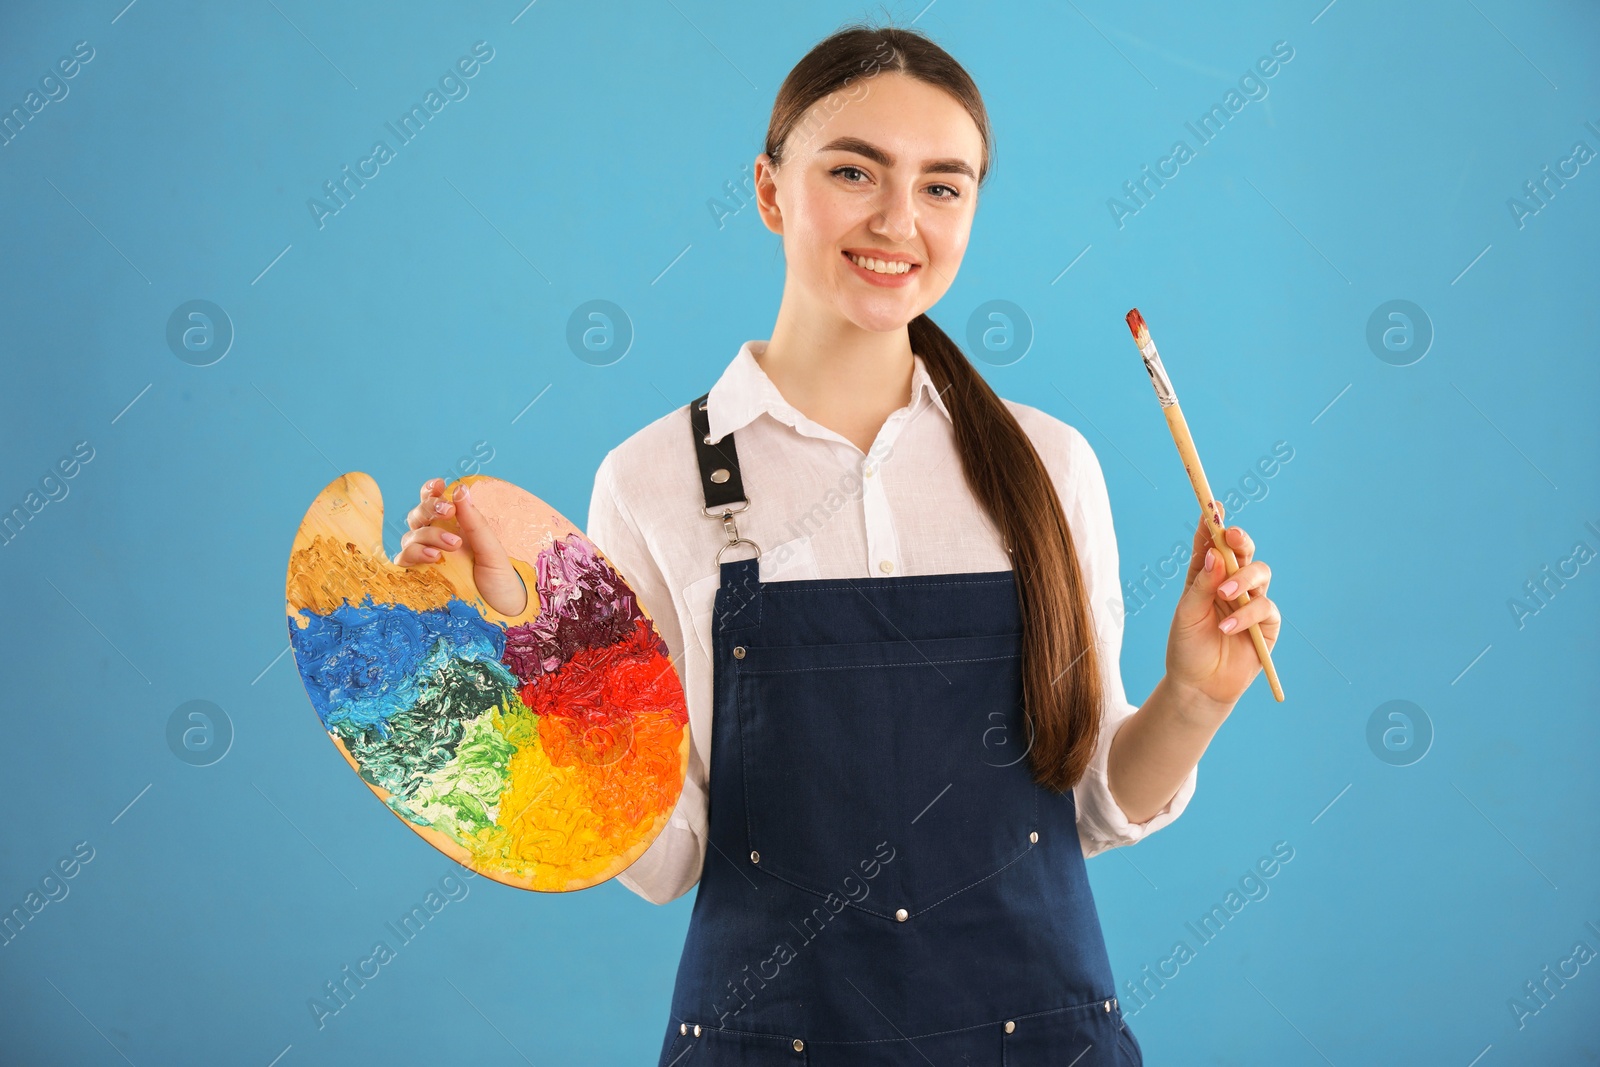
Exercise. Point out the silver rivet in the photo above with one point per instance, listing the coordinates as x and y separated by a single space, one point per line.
799 1046
738 652
1114 1002
706 439
755 857
702 405
683 1028
1108 1005
1010 1026
719 475
901 915
1034 837
696 1029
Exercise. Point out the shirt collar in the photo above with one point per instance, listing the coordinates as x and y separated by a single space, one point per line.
744 392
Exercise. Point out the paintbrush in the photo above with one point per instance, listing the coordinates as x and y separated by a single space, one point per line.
1197 478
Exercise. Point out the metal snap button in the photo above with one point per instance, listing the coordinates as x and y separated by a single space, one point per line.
738 652
1010 1026
719 475
755 857
1108 1005
1034 837
901 915
799 1046
696 1029
1114 1003
683 1028
706 439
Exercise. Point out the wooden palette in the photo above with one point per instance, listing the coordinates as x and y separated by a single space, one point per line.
544 750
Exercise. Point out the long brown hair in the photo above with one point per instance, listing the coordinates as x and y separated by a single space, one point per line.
1062 687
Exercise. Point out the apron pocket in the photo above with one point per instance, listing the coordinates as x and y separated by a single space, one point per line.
886 775
735 1048
1088 1031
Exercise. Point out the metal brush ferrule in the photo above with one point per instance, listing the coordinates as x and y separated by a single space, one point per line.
1158 373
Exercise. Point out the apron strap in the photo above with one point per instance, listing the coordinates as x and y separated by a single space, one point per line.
720 480
719 463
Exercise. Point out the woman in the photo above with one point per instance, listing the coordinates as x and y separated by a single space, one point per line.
902 676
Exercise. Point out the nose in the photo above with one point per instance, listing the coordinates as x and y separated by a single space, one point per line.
895 217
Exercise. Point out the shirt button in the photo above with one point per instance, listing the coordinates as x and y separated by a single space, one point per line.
799 1046
1034 837
683 1028
885 565
901 915
755 857
866 471
1010 1026
696 1029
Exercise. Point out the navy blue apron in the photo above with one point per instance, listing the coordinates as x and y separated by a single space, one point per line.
885 882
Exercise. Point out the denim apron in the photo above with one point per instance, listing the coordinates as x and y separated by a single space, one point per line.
885 883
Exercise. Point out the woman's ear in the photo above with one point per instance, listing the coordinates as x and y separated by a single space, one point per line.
767 193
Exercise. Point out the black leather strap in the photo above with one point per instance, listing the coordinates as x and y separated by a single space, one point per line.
719 463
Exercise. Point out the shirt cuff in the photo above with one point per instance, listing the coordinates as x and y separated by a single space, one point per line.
1102 824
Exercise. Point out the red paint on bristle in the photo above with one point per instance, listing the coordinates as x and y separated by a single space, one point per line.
1135 322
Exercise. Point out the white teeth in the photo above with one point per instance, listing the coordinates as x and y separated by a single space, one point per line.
879 266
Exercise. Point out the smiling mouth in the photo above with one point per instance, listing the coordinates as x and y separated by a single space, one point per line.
887 268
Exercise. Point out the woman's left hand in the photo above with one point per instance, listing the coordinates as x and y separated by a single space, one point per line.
1203 658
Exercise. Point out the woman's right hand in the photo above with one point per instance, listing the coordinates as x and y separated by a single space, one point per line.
497 580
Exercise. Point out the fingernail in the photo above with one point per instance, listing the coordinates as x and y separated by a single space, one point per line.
430 553
1228 625
439 507
450 539
1229 587
1208 559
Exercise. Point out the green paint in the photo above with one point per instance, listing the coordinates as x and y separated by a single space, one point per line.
462 797
402 752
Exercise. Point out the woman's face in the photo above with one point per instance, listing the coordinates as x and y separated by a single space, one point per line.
885 169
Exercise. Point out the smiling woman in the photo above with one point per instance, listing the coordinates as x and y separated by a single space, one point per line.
929 676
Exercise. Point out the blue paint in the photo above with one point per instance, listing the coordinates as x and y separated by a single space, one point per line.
363 663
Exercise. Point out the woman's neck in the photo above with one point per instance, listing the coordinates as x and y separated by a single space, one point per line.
842 377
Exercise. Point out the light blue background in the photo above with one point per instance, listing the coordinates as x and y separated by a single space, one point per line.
1419 501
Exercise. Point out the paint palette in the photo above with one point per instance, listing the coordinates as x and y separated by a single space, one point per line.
544 750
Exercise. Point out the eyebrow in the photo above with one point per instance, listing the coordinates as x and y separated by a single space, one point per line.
879 156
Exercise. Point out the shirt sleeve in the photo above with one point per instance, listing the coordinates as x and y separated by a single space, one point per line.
1102 824
671 866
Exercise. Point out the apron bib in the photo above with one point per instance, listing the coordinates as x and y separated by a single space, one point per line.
885 883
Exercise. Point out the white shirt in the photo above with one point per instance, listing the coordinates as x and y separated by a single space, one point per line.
821 508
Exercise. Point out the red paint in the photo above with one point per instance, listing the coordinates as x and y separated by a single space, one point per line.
1135 322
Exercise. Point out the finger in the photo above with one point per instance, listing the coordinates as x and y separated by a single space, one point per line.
1259 610
1202 541
486 548
1252 578
1199 600
1243 547
436 537
415 553
471 520
427 510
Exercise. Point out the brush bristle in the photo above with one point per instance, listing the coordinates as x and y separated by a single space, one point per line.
1135 322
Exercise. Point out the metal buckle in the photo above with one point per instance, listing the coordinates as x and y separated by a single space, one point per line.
732 530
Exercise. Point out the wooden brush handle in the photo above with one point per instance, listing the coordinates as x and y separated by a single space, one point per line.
1213 516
